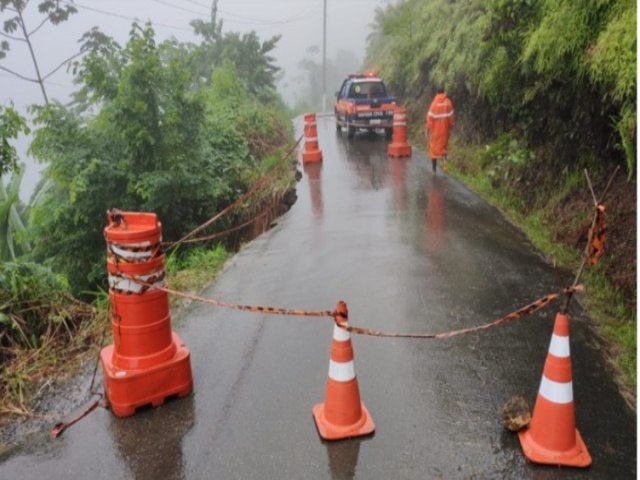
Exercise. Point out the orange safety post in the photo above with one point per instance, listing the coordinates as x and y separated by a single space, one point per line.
399 146
147 363
311 151
343 414
552 437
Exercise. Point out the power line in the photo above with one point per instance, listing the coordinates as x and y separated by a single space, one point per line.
177 7
124 17
247 20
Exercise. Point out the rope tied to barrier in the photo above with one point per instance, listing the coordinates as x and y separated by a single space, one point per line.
338 313
59 427
593 250
521 312
256 186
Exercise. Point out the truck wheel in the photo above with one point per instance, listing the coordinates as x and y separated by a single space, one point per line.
388 133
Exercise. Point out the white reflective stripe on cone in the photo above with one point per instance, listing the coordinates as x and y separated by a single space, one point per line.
312 139
341 372
400 116
559 346
310 124
340 334
399 124
129 285
556 392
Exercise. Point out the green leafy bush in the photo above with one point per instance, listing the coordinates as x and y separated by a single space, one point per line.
145 135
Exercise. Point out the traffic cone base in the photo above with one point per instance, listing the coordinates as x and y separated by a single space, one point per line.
577 456
330 431
130 389
399 150
309 156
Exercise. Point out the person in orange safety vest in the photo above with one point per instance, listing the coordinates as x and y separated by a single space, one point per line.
440 120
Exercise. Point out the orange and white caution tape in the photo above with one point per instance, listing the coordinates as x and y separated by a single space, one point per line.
597 235
526 310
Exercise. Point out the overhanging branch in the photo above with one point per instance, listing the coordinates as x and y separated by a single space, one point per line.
60 66
19 75
46 19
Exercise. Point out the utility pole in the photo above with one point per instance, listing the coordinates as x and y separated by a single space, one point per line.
324 57
214 12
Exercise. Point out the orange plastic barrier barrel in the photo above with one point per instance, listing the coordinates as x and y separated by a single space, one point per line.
311 151
399 146
147 363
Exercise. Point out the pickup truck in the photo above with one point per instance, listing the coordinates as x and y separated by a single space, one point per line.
362 103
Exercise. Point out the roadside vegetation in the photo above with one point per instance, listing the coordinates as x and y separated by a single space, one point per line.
178 129
543 89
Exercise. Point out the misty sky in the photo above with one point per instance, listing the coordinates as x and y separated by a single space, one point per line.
298 21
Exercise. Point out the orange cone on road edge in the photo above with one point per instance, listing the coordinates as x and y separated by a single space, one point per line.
399 146
311 152
552 437
343 414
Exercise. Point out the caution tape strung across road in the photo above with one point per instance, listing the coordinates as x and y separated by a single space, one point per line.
526 310
521 312
256 186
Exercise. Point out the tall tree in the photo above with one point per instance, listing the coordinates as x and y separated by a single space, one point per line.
15 29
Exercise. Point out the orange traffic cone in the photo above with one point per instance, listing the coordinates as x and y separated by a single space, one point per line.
342 415
399 146
311 152
552 437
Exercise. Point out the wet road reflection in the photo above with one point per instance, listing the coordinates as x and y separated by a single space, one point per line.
435 220
367 157
150 442
343 458
398 168
313 171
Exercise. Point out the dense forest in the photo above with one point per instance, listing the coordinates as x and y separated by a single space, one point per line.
543 89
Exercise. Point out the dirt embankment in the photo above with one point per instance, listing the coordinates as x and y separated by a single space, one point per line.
570 216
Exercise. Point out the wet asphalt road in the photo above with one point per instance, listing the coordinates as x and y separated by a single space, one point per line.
408 252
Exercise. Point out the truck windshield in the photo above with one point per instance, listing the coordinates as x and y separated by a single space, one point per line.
367 90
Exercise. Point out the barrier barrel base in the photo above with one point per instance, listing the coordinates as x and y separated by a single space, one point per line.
577 456
331 431
399 150
128 390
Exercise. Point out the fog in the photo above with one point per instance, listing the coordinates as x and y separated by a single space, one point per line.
299 22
